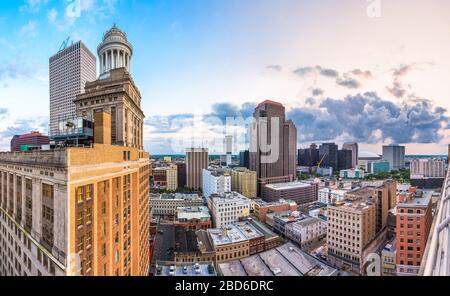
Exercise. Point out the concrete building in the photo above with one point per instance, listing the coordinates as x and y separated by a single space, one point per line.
395 154
427 168
388 259
357 226
69 71
414 220
228 208
193 218
196 161
352 174
181 174
244 182
307 232
299 192
76 211
273 145
428 173
329 196
215 181
261 208
165 178
115 91
279 220
31 141
167 204
354 148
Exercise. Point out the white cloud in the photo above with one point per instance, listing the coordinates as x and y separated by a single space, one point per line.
32 6
30 29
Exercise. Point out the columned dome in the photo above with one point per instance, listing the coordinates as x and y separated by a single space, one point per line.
115 51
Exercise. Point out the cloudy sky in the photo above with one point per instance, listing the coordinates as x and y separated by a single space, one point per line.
372 71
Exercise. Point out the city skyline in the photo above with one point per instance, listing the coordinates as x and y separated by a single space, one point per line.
380 74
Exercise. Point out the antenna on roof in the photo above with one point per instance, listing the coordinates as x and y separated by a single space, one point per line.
64 44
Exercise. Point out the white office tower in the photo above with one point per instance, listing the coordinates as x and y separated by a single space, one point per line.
395 154
215 182
70 69
228 208
228 143
427 168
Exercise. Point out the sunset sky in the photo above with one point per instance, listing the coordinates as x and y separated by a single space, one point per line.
371 71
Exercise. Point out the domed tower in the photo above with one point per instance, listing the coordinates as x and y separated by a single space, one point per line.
115 51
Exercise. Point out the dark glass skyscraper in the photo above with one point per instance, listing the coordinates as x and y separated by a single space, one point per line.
329 153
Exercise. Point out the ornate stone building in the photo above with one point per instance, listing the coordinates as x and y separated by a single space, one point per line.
115 92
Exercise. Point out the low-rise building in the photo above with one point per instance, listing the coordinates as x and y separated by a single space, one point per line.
388 258
168 203
228 208
379 166
307 232
279 220
329 196
352 174
193 218
299 192
261 208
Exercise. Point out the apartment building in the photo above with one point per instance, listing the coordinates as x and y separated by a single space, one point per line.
261 208
414 219
228 208
216 181
244 181
329 196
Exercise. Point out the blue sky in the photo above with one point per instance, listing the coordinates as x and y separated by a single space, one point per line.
218 57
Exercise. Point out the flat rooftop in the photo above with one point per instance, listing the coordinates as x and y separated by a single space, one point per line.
188 213
263 203
286 260
287 186
229 196
173 196
228 235
308 221
421 199
248 230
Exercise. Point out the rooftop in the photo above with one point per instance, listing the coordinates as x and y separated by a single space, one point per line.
263 203
173 196
420 199
308 221
286 260
228 235
189 213
229 196
287 186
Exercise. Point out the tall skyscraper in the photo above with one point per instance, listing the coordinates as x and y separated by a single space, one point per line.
115 92
70 69
244 159
273 145
395 154
229 149
329 153
354 148
345 158
197 160
309 156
